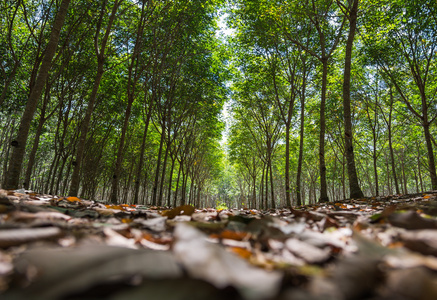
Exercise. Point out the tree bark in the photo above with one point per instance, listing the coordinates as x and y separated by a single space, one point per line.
158 167
100 53
301 138
354 187
16 161
322 165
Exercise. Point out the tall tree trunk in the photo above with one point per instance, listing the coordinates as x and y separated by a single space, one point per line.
170 181
272 192
301 138
100 53
119 161
16 161
431 160
266 201
32 154
419 167
158 168
261 195
287 162
254 192
177 187
390 144
354 187
184 187
142 151
164 171
322 165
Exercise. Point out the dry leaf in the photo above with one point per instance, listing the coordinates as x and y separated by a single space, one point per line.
212 263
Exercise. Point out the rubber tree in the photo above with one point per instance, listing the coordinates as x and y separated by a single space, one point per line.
19 144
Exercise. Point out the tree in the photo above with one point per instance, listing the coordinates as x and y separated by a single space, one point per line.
19 144
351 11
406 56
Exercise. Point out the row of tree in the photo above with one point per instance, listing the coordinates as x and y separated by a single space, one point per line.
332 98
113 99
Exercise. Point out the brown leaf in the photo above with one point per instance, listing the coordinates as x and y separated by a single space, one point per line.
411 220
185 210
422 241
415 283
59 273
230 234
73 199
213 263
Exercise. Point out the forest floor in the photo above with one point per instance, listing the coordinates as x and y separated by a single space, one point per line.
71 248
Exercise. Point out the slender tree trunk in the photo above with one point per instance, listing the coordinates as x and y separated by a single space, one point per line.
142 151
301 138
254 192
419 167
261 195
32 155
354 186
184 187
170 181
52 178
59 179
16 161
119 161
177 187
322 165
390 144
140 166
287 161
100 53
404 177
49 175
164 171
158 168
272 193
431 160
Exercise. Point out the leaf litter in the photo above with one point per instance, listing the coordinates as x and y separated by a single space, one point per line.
72 248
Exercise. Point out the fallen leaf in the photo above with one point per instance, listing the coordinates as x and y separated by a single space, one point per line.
232 235
186 210
306 251
14 237
85 267
73 199
212 263
411 220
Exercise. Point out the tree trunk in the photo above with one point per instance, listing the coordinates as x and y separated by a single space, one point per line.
287 162
431 160
354 187
119 160
419 167
271 184
158 168
170 181
32 154
301 138
177 187
254 192
322 165
390 144
140 165
261 195
164 171
75 177
16 161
